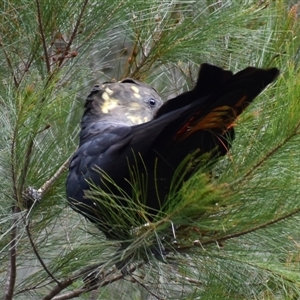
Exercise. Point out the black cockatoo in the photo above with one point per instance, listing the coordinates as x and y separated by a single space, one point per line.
129 136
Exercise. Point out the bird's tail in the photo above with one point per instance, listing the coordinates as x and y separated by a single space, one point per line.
217 103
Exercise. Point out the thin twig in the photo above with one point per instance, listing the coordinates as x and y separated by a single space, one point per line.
64 284
147 289
100 27
12 270
74 33
47 185
269 154
41 284
109 278
25 168
44 188
238 234
36 195
43 35
11 273
10 66
190 280
27 66
37 253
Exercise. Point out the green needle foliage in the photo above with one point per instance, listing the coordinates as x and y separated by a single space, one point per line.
232 228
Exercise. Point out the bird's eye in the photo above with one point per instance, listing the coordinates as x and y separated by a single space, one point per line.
152 102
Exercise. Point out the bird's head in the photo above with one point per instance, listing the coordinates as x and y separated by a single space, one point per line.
128 102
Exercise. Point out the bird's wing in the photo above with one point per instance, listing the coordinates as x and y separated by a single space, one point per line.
204 123
100 151
218 106
210 79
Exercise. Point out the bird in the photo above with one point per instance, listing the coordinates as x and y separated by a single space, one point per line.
135 151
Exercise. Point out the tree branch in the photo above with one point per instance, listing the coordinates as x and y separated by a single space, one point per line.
41 29
10 66
11 273
47 185
32 196
238 234
64 284
110 277
38 255
73 35
267 155
12 269
147 289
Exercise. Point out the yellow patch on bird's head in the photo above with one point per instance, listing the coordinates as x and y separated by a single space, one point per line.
135 119
135 113
109 91
136 92
134 106
135 89
109 103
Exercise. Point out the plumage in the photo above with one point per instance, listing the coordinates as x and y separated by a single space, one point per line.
127 130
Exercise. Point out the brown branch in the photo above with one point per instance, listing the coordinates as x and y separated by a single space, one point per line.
41 29
10 66
58 289
109 278
190 280
146 60
40 284
238 234
47 185
147 289
11 273
33 196
200 244
37 253
27 66
12 270
70 295
25 168
64 284
74 33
